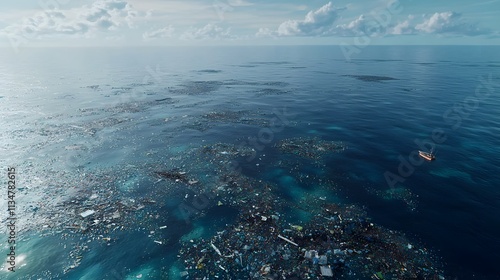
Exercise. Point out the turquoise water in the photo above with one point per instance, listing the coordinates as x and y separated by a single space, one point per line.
79 122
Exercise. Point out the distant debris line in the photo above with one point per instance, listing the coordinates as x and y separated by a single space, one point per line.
197 87
309 147
209 71
369 78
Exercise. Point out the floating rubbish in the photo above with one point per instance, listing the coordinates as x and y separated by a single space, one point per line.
163 227
139 276
184 273
379 276
116 215
192 181
159 242
326 271
87 213
288 240
216 249
323 260
310 254
221 267
265 269
299 228
199 264
139 207
264 218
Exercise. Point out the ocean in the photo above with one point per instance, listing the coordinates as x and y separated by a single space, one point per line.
146 137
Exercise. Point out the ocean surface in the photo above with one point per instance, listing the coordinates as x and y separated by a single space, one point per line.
100 123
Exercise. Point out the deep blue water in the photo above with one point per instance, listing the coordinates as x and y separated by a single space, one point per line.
105 102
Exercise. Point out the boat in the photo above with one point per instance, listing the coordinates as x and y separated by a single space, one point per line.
428 156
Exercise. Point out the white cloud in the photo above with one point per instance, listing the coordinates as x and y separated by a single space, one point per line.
363 25
102 15
209 31
239 3
448 23
265 32
165 32
444 23
403 28
322 22
315 23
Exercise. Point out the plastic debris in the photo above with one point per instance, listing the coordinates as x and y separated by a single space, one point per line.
379 276
87 213
216 249
288 240
326 271
299 228
265 269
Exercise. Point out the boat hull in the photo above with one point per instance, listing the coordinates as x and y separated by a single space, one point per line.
427 156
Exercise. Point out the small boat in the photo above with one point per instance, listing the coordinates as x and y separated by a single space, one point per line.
428 156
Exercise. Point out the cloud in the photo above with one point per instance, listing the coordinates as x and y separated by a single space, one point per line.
102 15
165 32
362 26
209 31
443 23
265 32
449 23
403 28
315 23
322 22
239 3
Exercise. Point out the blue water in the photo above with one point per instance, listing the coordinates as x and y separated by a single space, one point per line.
68 113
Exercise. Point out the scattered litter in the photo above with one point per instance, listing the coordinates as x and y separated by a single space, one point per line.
216 249
326 271
87 213
288 240
379 276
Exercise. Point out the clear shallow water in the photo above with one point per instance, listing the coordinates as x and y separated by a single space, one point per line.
127 112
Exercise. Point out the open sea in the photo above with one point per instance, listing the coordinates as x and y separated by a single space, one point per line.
94 128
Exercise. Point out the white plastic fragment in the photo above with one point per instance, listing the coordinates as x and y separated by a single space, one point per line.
326 271
87 213
216 249
288 240
221 267
163 227
159 242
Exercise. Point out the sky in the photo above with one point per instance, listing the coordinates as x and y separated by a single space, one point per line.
77 23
